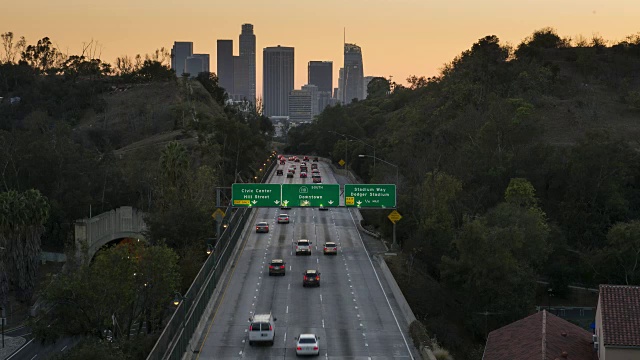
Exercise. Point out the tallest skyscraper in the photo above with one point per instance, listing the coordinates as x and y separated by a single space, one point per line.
245 78
353 75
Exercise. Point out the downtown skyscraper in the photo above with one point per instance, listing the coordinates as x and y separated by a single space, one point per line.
245 79
237 74
225 65
278 75
353 75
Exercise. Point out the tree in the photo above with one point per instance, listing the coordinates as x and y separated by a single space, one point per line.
417 82
210 82
43 56
22 219
378 88
174 162
619 261
11 49
126 285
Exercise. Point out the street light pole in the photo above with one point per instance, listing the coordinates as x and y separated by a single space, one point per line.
374 152
346 148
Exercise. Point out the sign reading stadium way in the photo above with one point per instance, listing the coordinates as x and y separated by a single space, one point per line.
370 195
258 195
315 195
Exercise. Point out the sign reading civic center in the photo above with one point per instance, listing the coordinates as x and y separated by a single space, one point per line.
370 195
258 195
314 195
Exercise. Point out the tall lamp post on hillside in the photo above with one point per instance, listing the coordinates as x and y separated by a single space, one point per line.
346 147
371 146
395 244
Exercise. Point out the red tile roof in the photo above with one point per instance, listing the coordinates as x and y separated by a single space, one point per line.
541 336
620 306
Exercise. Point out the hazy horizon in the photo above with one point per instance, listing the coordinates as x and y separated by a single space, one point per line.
398 38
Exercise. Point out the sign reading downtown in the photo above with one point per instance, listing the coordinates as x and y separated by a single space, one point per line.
370 195
258 195
315 195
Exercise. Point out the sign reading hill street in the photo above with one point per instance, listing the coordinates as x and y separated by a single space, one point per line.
315 195
370 195
258 195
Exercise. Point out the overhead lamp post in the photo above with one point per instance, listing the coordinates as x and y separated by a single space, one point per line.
346 147
371 146
395 244
177 299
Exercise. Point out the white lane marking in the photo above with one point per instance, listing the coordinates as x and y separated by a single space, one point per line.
240 353
289 267
34 356
320 297
289 287
382 288
287 309
323 323
285 338
318 260
61 350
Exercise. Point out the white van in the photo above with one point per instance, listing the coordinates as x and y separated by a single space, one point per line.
262 329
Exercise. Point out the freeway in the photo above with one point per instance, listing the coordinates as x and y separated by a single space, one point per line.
35 350
352 311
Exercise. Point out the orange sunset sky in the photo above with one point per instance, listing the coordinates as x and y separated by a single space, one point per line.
398 37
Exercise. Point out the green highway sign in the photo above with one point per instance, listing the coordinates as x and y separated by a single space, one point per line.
370 195
258 195
315 195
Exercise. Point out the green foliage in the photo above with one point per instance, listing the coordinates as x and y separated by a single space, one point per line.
546 38
129 284
211 84
619 261
378 88
22 216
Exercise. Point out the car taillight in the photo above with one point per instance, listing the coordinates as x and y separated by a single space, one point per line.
257 227
270 266
299 348
317 277
315 348
296 248
326 249
270 328
282 267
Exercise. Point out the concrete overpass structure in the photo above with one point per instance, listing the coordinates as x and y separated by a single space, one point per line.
93 233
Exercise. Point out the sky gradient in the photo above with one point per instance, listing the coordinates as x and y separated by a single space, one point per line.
398 37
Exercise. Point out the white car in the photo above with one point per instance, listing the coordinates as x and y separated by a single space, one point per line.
307 344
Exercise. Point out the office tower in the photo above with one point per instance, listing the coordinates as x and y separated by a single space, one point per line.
225 65
320 74
180 51
365 85
247 75
239 79
324 100
205 62
340 93
313 90
193 66
277 84
353 73
300 104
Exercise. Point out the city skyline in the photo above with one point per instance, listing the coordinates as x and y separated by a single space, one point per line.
426 35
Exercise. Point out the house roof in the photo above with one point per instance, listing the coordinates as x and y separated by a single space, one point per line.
539 336
620 306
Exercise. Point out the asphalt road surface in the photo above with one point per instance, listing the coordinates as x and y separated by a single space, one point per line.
352 311
35 350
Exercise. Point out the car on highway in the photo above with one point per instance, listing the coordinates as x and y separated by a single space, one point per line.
315 159
314 166
277 267
315 171
307 344
304 168
291 158
283 219
330 248
262 328
323 208
317 178
303 175
303 246
289 174
311 278
279 172
262 227
305 158
282 162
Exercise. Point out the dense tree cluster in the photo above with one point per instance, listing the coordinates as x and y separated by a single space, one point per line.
490 203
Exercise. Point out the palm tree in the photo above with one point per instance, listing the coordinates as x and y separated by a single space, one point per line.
174 162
